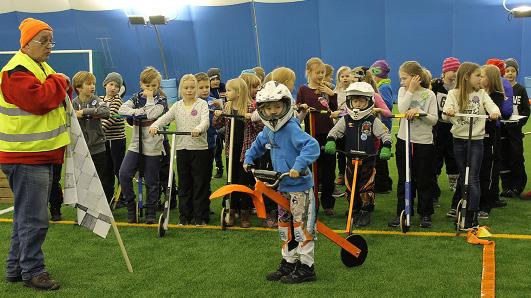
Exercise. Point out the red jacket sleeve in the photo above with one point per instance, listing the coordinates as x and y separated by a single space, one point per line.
24 90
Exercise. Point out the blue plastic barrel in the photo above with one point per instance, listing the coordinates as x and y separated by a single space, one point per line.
169 87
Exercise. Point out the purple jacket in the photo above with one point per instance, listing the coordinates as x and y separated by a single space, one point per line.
506 108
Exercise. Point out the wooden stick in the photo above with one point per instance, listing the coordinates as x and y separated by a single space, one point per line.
4 211
122 247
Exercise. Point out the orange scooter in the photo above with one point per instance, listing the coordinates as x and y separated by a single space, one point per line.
353 249
357 158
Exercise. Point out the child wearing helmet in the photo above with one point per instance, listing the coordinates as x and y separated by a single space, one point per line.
293 151
360 128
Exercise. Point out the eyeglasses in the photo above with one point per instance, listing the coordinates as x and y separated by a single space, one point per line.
47 44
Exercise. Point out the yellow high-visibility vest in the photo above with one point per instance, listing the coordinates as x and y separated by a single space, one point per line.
21 131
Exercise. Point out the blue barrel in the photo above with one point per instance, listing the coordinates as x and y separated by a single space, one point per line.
169 87
527 84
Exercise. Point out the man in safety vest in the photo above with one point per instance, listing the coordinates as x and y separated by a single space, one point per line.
33 136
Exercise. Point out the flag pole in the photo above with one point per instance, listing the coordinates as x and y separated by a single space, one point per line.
122 247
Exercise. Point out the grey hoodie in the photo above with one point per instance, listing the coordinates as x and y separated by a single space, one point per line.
93 110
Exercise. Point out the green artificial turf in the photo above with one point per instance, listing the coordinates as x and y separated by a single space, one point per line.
210 262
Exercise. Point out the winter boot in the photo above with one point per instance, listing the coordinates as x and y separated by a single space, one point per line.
425 222
151 216
364 219
302 273
471 220
284 269
131 211
219 173
245 219
55 213
394 223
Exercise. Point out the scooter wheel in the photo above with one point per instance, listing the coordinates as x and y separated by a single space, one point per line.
222 221
403 224
459 216
161 229
353 261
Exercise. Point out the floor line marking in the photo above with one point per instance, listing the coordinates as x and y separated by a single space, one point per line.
363 232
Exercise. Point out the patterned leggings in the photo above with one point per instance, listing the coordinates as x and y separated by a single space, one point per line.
297 227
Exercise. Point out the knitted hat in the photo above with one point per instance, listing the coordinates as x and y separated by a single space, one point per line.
498 63
380 69
450 64
113 77
29 28
512 62
214 73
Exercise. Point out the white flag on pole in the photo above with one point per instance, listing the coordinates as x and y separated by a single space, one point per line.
82 186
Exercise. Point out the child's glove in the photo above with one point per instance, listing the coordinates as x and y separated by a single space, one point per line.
330 147
385 153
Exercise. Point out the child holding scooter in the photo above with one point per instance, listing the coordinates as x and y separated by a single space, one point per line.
293 151
468 132
360 128
414 98
239 105
190 114
144 150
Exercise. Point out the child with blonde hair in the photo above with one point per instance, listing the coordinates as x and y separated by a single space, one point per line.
90 110
317 95
414 97
490 166
260 73
285 76
238 103
253 83
328 78
190 114
145 150
253 126
469 98
343 80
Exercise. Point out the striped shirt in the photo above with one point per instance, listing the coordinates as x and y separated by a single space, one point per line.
114 127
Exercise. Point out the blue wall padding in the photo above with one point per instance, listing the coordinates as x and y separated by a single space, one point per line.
224 38
341 32
291 37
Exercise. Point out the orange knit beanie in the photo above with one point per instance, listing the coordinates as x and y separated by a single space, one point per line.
29 28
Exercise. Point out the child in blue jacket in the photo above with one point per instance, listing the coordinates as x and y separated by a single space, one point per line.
293 151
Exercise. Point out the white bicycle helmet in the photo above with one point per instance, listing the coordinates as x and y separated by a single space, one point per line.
355 90
271 92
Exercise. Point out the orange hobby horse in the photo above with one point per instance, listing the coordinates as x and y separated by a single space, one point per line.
353 249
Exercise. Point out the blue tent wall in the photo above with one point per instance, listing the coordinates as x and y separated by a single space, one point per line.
341 32
225 38
289 35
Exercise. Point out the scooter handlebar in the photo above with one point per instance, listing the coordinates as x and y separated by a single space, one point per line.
400 116
229 115
177 133
272 175
471 115
354 153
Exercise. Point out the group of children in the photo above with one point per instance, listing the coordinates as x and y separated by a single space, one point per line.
325 123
